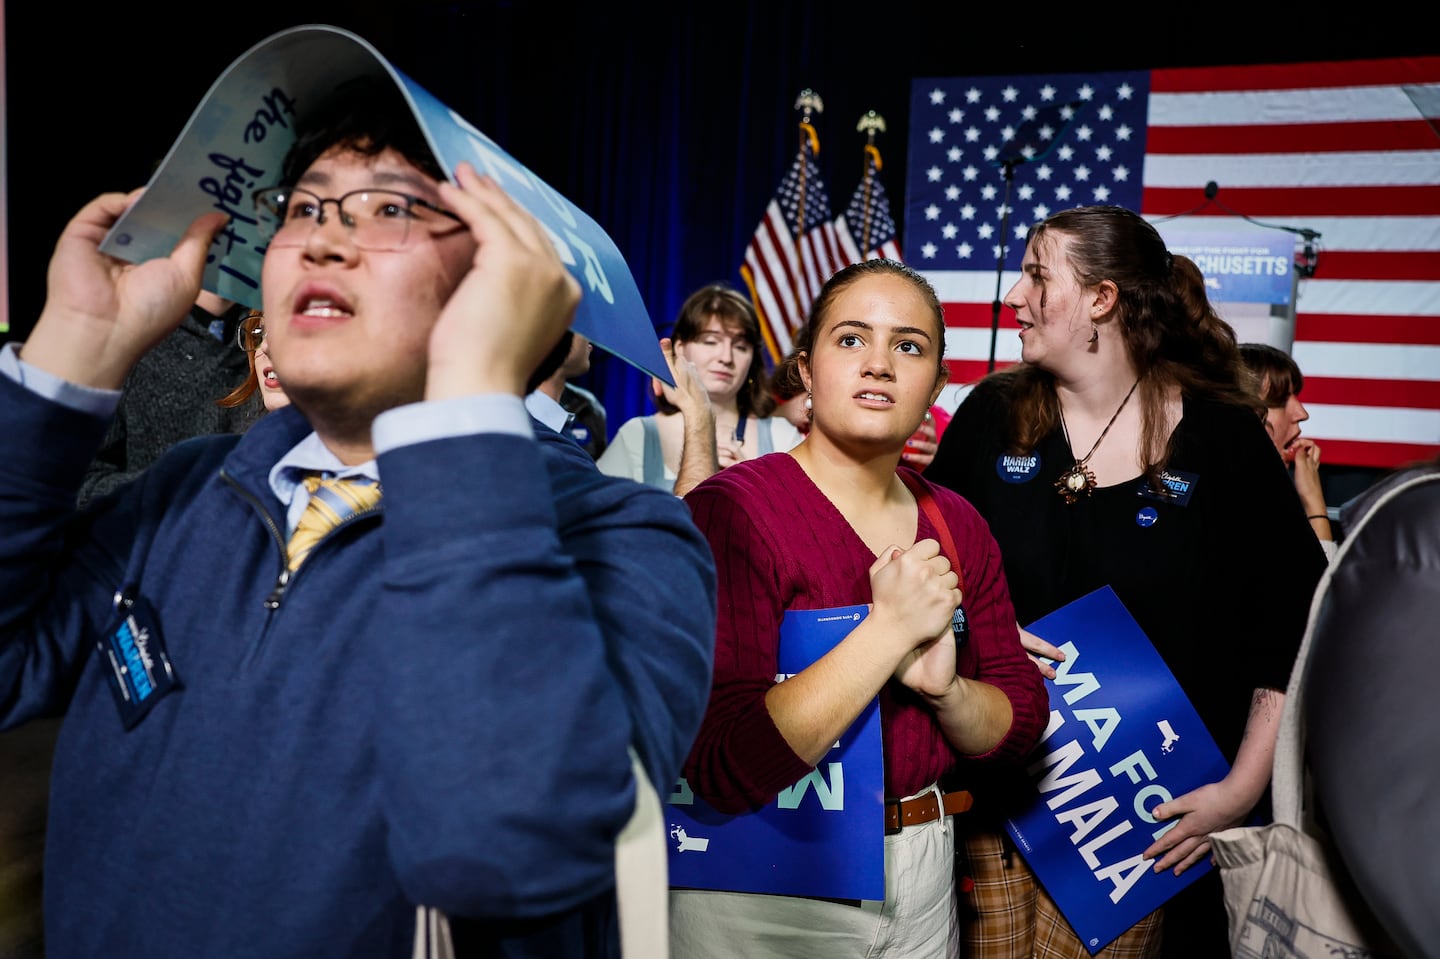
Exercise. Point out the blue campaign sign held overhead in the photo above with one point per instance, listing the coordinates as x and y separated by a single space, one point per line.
236 141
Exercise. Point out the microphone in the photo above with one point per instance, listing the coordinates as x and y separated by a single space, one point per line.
1012 151
1305 263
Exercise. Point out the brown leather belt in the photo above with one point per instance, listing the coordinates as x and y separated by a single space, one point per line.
900 813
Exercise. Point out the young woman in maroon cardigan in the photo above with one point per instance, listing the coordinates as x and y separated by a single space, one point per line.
832 523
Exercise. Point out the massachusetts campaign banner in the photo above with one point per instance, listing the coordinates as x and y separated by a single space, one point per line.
1122 739
823 836
1241 264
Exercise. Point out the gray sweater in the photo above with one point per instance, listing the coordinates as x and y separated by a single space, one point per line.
170 396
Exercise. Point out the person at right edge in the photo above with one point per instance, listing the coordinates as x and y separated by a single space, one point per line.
1131 386
1278 380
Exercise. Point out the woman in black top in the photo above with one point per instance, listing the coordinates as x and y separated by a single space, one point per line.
1124 450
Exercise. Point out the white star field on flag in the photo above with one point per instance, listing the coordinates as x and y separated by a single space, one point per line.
1082 138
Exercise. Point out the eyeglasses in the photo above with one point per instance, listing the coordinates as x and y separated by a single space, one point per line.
377 219
250 333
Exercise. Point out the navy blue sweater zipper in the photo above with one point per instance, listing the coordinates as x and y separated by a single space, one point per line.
273 600
282 583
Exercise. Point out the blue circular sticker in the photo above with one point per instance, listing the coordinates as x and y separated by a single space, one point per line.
1146 517
1017 469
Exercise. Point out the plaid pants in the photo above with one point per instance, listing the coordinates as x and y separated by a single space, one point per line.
1011 917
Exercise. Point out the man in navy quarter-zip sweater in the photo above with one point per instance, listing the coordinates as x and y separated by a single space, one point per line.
436 707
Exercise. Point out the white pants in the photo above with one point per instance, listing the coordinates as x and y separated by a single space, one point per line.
917 920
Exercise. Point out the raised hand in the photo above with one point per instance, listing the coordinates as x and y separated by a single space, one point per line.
728 451
510 308
688 395
101 314
921 446
1306 454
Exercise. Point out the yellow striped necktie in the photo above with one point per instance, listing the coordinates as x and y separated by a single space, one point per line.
332 502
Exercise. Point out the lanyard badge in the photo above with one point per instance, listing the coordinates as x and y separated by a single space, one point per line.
134 658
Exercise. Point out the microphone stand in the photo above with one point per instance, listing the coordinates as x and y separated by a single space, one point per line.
1016 151
1009 167
1309 258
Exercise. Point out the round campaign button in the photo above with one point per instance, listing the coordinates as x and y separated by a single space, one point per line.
1146 517
1017 469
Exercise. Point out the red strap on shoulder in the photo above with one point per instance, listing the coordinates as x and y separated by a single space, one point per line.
926 501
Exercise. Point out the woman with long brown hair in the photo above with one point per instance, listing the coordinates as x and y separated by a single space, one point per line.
1125 450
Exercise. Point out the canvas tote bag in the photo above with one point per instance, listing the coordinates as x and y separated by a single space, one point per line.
1286 890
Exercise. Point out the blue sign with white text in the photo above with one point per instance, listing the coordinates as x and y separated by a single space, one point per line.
1241 264
236 141
1122 738
823 836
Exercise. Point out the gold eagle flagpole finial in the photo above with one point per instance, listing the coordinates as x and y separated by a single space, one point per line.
807 102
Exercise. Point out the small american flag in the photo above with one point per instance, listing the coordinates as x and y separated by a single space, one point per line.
866 223
1347 149
794 251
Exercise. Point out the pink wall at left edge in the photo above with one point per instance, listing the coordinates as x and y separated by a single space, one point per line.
4 192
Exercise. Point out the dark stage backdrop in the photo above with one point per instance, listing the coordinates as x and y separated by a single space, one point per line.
671 127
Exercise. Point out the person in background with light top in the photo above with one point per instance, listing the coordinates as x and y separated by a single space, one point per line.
719 411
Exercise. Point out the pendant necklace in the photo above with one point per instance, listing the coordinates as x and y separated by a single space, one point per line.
1078 480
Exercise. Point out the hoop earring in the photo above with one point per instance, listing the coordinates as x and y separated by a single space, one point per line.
1094 334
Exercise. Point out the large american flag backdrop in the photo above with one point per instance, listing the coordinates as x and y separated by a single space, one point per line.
1349 149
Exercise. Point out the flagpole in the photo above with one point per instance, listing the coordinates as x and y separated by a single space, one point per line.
870 124
807 101
797 245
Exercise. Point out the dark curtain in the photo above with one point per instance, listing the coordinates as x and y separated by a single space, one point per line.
671 129
671 124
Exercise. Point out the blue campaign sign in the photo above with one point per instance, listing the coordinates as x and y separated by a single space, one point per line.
1241 264
236 140
823 836
1122 739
